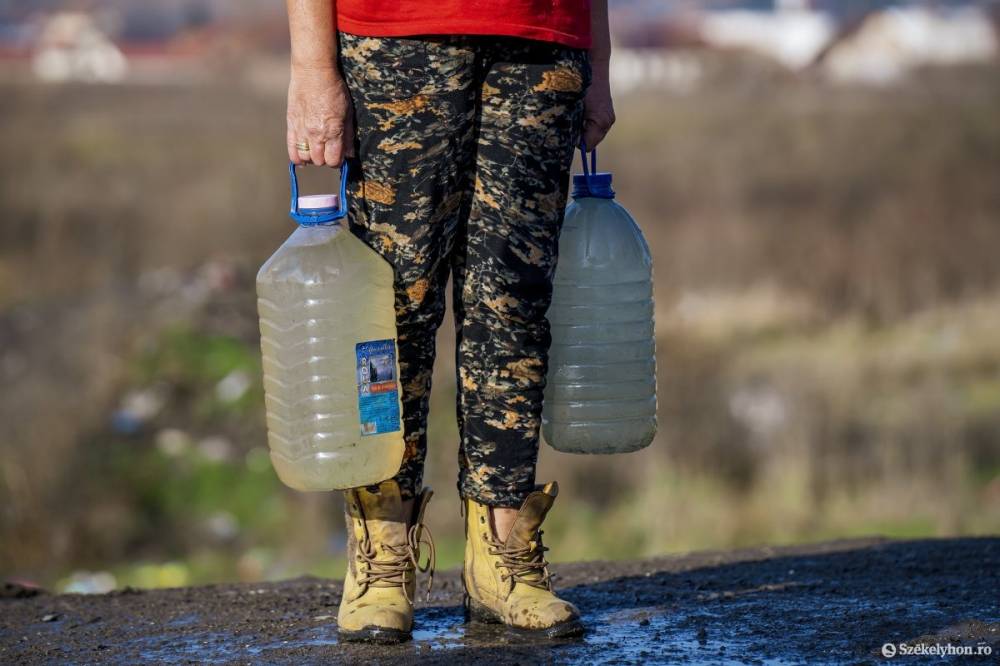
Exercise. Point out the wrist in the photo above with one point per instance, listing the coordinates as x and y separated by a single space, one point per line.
317 65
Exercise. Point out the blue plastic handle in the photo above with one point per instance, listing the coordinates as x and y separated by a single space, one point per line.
591 183
311 217
583 158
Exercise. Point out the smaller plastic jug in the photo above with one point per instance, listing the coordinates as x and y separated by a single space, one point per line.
600 394
328 339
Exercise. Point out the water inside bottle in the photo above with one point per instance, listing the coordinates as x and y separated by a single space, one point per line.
600 395
331 374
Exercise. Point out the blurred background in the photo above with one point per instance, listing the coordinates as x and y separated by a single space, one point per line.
819 182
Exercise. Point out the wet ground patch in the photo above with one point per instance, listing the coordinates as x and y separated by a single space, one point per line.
825 603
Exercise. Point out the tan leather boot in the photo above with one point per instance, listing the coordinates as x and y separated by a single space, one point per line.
507 581
383 552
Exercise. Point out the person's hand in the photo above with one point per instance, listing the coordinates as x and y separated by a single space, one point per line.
320 115
598 109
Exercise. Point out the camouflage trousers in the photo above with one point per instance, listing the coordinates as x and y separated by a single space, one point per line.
464 146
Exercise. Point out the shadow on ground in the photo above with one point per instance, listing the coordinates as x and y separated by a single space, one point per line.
826 603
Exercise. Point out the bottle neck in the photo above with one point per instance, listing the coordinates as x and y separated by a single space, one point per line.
326 216
593 185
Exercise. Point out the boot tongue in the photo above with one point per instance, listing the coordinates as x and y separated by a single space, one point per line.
531 515
382 508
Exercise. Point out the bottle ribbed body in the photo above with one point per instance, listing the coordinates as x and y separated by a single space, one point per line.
600 394
328 339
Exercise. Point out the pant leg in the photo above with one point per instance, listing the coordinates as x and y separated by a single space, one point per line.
530 119
414 105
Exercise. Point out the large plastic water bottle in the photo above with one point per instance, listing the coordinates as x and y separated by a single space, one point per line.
328 337
600 395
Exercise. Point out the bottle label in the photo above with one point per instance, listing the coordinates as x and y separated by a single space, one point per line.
378 387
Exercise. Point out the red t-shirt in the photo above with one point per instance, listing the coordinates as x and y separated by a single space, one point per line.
562 21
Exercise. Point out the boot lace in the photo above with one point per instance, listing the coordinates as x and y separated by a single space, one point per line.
524 564
403 562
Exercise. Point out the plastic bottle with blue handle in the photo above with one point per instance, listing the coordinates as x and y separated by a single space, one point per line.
600 394
328 340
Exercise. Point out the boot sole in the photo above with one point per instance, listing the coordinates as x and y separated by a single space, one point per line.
477 612
375 635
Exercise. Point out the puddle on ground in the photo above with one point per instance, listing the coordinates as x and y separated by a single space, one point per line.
638 635
439 628
220 647
756 614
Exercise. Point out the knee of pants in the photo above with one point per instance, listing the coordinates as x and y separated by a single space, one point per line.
490 340
515 303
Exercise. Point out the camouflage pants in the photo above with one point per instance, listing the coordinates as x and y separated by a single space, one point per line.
464 146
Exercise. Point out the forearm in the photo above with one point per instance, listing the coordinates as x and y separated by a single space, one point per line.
313 34
600 49
599 110
320 118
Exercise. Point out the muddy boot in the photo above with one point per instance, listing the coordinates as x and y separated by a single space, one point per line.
508 581
383 552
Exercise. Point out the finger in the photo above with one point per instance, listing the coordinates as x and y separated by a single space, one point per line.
305 157
299 139
316 149
293 153
593 134
334 153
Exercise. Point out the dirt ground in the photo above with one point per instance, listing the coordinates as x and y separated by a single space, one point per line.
835 602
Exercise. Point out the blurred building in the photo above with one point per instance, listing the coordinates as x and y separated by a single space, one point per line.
883 47
659 43
874 41
791 31
71 47
156 41
651 68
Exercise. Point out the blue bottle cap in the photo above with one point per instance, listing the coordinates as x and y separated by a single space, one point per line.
597 185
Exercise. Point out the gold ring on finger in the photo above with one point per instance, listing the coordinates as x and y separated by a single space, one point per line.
302 147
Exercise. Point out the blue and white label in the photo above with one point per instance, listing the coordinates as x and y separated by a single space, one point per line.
378 387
